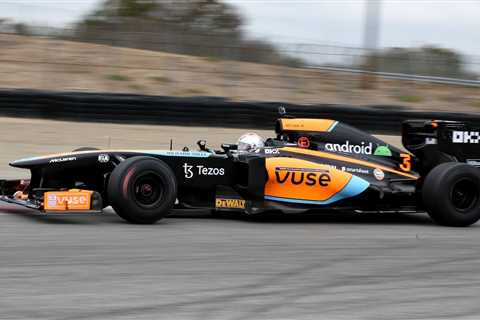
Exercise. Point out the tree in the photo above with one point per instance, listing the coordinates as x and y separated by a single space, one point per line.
196 27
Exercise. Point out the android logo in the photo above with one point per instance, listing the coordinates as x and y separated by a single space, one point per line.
383 151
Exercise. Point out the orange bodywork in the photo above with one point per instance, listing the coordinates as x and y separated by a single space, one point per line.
313 125
73 199
304 180
333 156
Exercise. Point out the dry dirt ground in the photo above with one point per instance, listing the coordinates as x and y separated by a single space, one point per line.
22 138
43 63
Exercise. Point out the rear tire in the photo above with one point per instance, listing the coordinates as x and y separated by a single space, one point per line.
142 190
451 194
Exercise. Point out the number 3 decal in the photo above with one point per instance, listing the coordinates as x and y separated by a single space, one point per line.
406 164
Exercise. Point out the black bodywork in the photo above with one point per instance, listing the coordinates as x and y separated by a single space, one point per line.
392 177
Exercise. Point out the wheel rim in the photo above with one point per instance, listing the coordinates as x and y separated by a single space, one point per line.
464 194
148 190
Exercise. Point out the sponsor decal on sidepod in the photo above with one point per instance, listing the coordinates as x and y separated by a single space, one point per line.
350 148
223 203
351 170
309 177
466 137
378 174
362 148
201 170
301 181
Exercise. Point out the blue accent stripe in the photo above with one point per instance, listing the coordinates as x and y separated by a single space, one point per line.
353 188
332 126
173 153
167 153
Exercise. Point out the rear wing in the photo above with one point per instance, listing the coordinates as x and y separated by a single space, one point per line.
461 140
438 141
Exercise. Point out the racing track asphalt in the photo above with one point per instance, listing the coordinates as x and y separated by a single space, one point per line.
193 266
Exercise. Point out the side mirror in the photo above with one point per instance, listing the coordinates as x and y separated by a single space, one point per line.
227 148
202 144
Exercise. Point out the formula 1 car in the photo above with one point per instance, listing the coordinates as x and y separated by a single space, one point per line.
310 164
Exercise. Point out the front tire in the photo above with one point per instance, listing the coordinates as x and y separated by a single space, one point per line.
451 194
142 190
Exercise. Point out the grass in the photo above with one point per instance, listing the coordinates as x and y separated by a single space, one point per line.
117 77
410 98
161 79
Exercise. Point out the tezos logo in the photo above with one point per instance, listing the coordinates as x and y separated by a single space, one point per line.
350 148
201 170
309 177
466 137
188 170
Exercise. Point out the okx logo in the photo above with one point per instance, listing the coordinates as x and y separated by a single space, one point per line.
466 137
308 177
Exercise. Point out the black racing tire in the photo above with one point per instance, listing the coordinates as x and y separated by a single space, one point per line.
451 194
85 149
142 190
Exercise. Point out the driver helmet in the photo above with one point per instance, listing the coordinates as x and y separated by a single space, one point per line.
250 141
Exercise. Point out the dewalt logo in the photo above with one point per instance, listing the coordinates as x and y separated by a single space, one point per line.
222 203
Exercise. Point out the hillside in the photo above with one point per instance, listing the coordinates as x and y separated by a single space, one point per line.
48 64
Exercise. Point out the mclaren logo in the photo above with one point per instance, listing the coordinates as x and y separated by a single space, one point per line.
66 159
309 177
223 203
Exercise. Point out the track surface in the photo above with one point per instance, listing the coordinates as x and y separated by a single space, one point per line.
191 266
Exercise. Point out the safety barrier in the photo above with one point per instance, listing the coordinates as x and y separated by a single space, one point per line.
198 111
